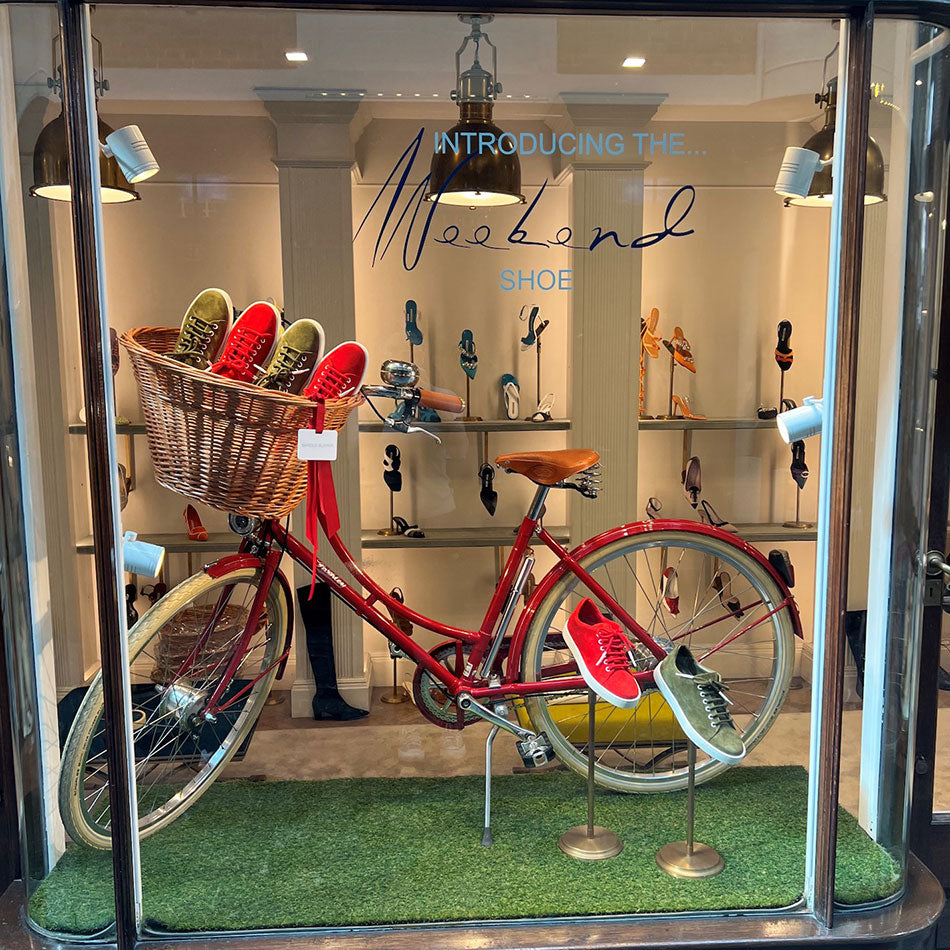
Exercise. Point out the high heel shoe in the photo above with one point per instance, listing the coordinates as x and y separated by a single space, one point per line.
531 337
682 403
413 333
196 530
692 481
678 345
487 494
784 355
712 516
654 506
722 584
798 467
468 360
391 474
670 590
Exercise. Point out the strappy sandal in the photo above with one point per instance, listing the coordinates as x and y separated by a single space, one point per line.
391 463
670 590
784 355
654 506
467 358
401 526
531 337
678 345
543 412
413 333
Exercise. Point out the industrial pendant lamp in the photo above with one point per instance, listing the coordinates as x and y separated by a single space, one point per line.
125 151
805 176
470 168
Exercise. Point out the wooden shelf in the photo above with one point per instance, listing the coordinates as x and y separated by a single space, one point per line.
486 425
707 423
133 428
775 532
178 543
478 537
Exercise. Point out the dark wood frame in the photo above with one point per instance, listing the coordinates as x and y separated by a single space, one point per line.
860 14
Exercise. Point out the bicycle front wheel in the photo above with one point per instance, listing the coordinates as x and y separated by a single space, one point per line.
727 610
178 654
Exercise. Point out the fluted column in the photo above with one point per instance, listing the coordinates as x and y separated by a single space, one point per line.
605 339
315 166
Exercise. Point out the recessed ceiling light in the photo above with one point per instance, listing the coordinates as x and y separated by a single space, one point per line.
919 82
435 95
634 62
296 56
379 93
417 94
398 94
362 93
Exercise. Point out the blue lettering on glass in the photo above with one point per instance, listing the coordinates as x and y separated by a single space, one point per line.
414 229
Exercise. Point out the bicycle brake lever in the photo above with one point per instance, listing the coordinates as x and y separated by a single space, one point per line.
431 435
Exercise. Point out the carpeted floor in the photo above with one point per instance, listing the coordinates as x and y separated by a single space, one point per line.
365 851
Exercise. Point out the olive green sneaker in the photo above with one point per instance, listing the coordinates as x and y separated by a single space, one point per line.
204 328
697 696
298 352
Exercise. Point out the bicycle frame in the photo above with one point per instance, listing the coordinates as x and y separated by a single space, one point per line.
506 675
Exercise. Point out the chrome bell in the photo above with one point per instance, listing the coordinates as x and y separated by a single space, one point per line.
399 373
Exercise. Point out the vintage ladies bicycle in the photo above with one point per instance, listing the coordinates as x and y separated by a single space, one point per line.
203 659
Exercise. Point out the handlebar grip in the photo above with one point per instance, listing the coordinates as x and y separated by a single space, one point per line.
444 402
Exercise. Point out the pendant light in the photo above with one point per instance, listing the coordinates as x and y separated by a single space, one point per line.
469 169
51 153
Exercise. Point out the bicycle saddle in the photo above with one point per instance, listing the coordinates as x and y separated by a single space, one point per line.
547 468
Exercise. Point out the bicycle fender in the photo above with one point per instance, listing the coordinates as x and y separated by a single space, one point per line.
231 562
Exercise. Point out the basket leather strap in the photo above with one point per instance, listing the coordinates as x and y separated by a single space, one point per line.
322 506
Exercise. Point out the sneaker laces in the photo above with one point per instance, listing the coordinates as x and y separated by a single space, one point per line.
616 654
286 365
195 334
243 345
712 691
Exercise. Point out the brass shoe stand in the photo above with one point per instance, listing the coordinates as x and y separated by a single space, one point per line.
798 523
590 842
397 695
390 531
689 858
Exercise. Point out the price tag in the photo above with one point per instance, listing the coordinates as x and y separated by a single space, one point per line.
316 446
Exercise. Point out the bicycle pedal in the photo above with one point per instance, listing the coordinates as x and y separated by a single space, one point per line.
536 751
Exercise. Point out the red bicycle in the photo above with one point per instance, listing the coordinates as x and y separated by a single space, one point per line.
204 658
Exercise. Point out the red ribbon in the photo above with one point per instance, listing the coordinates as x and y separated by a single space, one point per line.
322 506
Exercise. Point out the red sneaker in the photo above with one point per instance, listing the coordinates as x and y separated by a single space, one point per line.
250 344
603 653
340 373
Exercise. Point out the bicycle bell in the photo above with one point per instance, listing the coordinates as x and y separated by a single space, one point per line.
399 373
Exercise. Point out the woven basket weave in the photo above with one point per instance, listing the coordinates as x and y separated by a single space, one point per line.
227 444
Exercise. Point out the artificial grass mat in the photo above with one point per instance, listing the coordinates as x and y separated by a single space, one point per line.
345 852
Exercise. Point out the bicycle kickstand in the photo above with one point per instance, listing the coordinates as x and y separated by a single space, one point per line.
486 832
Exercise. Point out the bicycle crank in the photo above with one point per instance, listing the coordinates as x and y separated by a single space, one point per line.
534 748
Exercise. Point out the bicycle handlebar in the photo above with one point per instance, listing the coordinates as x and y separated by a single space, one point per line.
446 402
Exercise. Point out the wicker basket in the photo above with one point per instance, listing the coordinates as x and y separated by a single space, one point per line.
227 444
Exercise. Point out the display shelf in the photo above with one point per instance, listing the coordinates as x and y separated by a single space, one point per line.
484 425
477 537
775 532
177 543
132 428
681 423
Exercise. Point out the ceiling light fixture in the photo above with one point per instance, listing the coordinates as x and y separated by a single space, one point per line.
804 178
634 62
124 159
296 56
463 172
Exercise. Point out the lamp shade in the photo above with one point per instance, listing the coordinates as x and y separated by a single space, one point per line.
468 175
51 167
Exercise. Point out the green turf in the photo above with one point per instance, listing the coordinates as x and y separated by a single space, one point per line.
365 851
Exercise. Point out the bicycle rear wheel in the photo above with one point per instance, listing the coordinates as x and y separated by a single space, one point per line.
178 753
643 749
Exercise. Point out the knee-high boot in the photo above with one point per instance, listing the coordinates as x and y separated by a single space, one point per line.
327 703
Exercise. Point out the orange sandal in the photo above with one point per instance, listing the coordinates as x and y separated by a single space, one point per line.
678 345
